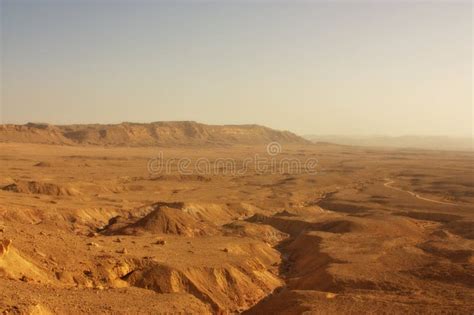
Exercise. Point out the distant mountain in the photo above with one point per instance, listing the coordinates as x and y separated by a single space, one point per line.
137 134
418 142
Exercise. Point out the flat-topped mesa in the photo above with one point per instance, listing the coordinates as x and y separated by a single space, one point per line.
146 134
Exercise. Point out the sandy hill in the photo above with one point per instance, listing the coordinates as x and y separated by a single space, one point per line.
164 219
135 134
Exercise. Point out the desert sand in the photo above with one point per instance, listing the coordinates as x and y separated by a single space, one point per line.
86 228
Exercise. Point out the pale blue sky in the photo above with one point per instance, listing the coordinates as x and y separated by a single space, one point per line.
314 67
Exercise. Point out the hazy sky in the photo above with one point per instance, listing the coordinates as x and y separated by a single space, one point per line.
315 67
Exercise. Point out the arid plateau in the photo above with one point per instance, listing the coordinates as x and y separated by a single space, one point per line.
92 223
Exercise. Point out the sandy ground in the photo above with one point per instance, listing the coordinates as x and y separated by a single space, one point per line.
87 229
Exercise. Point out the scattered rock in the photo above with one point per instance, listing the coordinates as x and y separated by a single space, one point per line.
25 279
331 295
122 251
160 242
5 247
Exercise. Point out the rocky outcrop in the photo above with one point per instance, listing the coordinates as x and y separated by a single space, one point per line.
135 134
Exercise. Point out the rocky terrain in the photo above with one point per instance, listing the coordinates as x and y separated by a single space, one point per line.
134 134
85 227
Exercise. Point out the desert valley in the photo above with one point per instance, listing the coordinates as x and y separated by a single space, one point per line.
87 227
236 157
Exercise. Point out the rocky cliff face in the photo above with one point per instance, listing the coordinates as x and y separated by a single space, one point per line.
135 134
